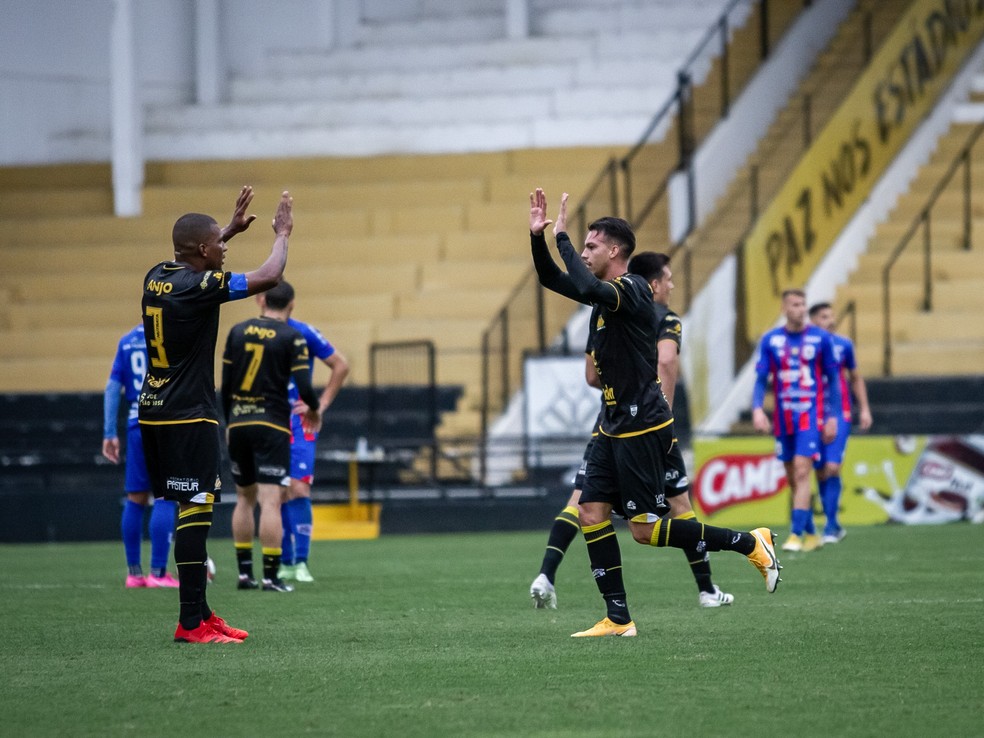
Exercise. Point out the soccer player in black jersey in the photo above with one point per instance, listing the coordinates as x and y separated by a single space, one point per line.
655 269
178 413
261 356
628 462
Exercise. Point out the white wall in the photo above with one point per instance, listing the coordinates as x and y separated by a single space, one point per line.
54 60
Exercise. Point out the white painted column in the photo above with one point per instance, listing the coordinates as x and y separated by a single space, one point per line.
209 74
126 114
339 23
517 18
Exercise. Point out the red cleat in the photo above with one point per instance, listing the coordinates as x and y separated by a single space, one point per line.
221 626
204 633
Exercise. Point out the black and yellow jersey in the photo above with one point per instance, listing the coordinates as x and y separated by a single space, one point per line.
261 355
181 323
668 325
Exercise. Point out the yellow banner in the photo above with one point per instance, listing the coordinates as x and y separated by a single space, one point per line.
896 91
739 483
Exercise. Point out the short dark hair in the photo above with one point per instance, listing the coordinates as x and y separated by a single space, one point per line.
649 265
617 230
190 230
814 309
793 291
279 296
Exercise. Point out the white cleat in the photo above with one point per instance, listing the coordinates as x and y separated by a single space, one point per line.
834 537
717 598
543 594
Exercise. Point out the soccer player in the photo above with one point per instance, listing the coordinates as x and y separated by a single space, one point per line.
179 420
261 356
296 513
798 357
126 379
628 463
828 465
655 269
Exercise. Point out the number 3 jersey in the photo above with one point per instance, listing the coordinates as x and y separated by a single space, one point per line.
260 356
181 322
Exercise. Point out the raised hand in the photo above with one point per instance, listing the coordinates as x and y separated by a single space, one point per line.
538 212
283 221
561 225
240 221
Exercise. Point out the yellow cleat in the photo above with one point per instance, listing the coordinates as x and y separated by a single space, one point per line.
811 542
793 543
763 556
607 628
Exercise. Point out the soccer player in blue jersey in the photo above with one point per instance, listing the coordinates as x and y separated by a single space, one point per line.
629 467
799 358
296 514
177 406
828 465
125 379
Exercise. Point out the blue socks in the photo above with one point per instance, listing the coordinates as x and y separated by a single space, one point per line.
301 519
801 518
131 527
161 530
830 493
287 544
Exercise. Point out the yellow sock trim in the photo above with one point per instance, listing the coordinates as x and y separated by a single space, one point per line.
243 546
596 526
272 551
571 510
196 510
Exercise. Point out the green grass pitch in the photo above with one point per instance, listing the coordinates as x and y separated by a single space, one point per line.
880 635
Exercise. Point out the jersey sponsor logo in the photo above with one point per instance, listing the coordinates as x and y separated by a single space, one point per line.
159 288
260 332
778 341
182 484
734 478
271 471
242 409
157 382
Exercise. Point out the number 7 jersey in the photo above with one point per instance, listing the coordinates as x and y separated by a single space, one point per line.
181 322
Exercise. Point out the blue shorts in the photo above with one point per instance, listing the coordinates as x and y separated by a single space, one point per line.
802 443
833 452
137 478
302 447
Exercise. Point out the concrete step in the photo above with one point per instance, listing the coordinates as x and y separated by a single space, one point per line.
375 139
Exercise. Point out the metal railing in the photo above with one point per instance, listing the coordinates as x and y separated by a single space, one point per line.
923 222
630 187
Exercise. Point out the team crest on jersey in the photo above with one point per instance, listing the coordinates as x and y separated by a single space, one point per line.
809 352
601 323
633 409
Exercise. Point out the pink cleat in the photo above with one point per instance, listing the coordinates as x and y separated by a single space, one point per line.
165 581
134 581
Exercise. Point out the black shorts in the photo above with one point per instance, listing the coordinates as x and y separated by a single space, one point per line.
579 477
259 453
183 460
630 474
